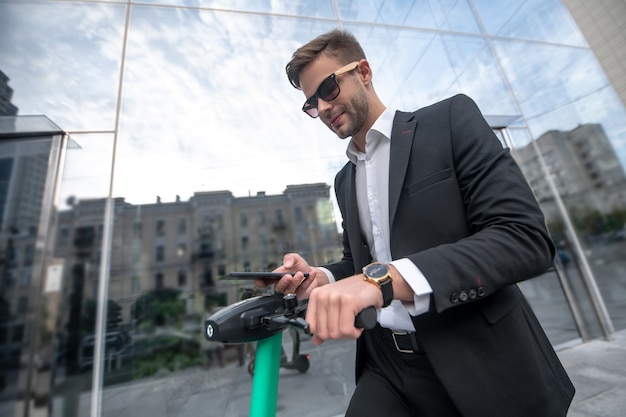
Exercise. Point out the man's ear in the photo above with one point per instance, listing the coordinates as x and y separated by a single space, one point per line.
365 72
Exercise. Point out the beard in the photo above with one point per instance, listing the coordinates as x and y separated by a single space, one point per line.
356 113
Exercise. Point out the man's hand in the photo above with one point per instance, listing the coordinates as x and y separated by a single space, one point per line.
332 308
296 284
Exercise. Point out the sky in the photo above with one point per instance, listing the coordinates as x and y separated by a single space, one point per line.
205 104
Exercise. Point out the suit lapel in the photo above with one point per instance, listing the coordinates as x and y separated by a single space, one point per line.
402 133
360 250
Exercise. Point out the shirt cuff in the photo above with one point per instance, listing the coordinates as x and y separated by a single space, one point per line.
418 283
331 277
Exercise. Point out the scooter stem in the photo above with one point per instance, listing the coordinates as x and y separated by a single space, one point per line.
265 379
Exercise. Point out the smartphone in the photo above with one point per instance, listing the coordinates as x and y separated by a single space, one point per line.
259 275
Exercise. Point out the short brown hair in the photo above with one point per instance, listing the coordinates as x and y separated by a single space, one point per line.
338 44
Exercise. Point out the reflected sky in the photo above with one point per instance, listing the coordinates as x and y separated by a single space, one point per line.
206 105
63 60
539 20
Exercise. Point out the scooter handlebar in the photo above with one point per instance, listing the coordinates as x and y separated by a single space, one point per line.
366 319
263 316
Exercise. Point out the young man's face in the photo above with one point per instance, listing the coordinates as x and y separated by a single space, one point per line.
346 113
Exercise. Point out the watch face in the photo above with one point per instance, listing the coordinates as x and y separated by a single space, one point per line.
376 270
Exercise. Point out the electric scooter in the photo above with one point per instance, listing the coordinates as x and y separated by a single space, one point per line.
299 362
263 319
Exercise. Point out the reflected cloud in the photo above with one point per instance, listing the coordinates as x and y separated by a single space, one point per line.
63 60
206 104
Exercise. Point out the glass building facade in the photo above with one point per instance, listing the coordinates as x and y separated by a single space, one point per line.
173 150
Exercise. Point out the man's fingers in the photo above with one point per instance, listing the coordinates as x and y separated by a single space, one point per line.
288 283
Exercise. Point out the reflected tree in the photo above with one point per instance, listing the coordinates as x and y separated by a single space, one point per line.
114 316
158 307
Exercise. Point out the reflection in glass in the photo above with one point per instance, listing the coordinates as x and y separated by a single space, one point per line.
306 8
448 15
217 169
419 68
72 50
584 167
541 20
29 348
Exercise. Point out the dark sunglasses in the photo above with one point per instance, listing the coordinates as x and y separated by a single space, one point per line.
327 91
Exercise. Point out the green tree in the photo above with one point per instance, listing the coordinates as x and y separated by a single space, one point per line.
88 321
158 306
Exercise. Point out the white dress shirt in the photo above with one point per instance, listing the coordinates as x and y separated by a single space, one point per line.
372 190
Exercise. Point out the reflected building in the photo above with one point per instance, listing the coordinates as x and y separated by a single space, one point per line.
28 303
190 245
23 173
525 61
6 93
583 166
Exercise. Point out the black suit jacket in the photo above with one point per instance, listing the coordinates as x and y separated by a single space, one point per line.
461 210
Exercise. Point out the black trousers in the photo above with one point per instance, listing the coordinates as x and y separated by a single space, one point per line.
398 384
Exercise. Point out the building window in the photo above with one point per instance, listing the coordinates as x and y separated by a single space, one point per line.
18 333
64 236
29 255
135 285
160 228
298 214
182 226
137 230
207 277
25 278
243 219
182 278
22 305
9 277
301 237
160 253
244 243
261 217
158 281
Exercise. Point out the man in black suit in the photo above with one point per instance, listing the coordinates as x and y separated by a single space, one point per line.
439 226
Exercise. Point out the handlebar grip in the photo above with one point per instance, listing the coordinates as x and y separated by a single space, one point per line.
366 319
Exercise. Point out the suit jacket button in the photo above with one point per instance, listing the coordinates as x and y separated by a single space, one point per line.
471 294
463 295
454 297
482 291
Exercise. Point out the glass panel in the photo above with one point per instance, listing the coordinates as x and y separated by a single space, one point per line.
87 169
27 327
73 51
25 125
438 67
546 78
212 138
546 293
445 15
542 20
77 250
217 113
307 8
586 169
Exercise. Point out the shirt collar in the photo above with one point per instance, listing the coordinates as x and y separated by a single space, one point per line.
381 128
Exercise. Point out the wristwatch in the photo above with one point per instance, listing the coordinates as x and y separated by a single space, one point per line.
378 274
